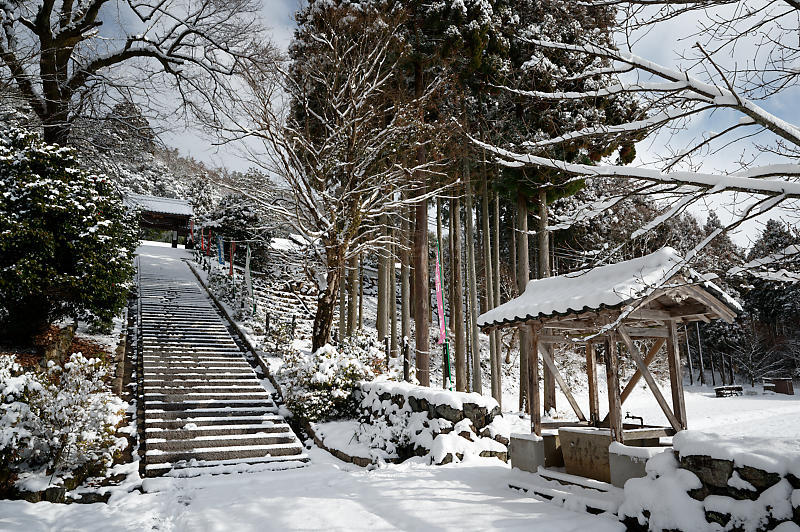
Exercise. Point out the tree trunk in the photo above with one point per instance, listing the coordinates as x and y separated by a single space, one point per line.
393 346
343 305
352 300
381 322
326 301
472 289
496 271
421 289
543 238
441 278
489 283
458 298
405 278
523 272
360 291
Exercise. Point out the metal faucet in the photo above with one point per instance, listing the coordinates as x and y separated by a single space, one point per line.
640 418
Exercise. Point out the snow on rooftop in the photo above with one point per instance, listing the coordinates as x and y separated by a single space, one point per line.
158 204
594 289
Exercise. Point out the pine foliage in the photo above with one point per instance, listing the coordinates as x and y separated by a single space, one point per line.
67 243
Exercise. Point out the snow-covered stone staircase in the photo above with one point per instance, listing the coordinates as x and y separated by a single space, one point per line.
204 407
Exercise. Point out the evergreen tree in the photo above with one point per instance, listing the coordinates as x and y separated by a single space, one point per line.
67 244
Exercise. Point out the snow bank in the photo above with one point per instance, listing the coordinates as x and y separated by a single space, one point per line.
780 456
715 483
406 420
433 396
642 453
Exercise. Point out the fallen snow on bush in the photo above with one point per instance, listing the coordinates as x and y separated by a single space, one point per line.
56 421
319 387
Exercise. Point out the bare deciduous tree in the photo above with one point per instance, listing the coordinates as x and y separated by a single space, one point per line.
65 56
330 132
673 99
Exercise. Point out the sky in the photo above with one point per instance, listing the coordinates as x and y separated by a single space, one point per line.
663 44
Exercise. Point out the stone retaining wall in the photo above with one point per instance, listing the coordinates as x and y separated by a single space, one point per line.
742 483
423 414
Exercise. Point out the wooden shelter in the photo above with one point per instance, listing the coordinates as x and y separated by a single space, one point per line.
614 306
166 214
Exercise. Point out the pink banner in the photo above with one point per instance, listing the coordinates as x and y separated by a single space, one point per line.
439 302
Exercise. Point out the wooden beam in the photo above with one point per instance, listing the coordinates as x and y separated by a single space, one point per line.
647 332
612 378
591 374
572 324
556 339
650 314
712 302
676 374
648 359
547 357
534 399
637 358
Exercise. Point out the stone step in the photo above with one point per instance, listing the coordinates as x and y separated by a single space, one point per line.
204 369
197 364
194 468
182 433
190 413
195 404
196 375
271 419
220 442
192 397
157 456
219 390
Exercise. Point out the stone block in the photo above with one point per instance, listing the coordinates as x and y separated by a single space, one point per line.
711 471
526 452
761 480
476 414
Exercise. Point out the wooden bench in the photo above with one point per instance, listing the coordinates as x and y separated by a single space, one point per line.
728 391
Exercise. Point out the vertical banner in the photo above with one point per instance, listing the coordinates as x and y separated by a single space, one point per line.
220 251
191 230
233 249
248 282
202 241
439 301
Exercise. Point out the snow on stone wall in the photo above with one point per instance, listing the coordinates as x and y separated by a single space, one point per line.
407 420
712 483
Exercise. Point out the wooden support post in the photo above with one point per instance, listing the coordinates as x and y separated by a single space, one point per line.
547 357
591 374
675 374
651 355
534 400
637 358
612 378
648 359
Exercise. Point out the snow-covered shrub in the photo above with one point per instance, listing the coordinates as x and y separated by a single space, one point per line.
320 387
278 340
58 422
67 242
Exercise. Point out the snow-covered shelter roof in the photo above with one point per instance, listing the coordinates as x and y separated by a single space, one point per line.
156 204
613 287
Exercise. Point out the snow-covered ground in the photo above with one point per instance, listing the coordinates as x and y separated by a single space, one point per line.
327 495
332 495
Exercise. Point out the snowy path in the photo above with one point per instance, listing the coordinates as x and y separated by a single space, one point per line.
203 405
327 495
